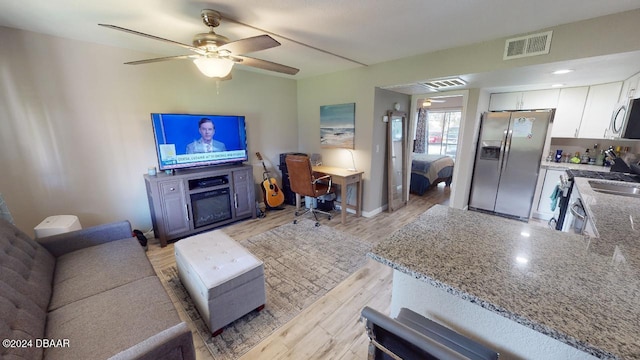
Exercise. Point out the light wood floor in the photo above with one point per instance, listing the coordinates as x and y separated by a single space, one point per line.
329 328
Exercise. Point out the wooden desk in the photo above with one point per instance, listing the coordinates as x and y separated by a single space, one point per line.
344 177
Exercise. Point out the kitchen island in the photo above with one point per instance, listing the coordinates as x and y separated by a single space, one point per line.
539 284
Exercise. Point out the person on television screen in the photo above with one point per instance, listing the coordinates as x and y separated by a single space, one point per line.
206 143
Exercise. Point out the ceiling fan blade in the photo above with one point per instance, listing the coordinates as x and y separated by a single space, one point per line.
195 49
166 58
251 44
268 65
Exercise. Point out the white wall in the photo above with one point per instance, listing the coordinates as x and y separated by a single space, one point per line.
76 136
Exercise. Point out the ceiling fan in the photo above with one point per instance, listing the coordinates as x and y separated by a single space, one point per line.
214 54
430 101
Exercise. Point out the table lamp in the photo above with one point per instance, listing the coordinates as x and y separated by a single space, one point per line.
353 161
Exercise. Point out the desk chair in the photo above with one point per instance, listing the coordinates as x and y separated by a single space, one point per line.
305 182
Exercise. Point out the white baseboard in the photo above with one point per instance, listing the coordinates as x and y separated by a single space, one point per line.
366 214
375 212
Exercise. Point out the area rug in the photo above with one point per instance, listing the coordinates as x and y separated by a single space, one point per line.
302 263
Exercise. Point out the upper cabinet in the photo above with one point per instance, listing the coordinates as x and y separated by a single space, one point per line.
630 89
601 102
566 121
505 101
581 112
527 100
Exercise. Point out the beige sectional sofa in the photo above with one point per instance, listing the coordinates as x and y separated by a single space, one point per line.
88 294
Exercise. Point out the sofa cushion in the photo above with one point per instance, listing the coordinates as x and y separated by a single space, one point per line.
20 318
90 271
26 270
25 265
102 325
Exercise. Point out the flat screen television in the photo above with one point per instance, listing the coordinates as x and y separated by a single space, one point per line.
190 140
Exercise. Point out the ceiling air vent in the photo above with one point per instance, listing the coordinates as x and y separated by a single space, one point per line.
445 83
530 45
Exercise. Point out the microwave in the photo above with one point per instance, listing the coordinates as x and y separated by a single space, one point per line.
626 120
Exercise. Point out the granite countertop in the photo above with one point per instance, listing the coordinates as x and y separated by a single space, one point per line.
616 219
566 166
579 290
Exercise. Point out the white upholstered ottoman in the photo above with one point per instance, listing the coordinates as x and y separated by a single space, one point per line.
223 278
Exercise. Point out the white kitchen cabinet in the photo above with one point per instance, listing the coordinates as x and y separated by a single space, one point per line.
630 89
527 100
540 99
601 102
568 116
505 101
551 179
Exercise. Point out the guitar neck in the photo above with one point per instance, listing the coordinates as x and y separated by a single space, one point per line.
264 166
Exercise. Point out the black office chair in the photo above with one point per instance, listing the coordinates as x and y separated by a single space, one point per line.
305 182
412 336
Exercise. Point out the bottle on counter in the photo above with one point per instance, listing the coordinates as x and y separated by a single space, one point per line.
584 159
550 157
576 158
600 158
594 155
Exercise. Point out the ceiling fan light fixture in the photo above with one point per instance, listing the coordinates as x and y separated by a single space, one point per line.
426 103
214 67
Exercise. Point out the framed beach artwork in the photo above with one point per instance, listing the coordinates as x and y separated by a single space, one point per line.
337 126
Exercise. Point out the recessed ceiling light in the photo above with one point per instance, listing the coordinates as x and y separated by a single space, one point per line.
562 71
557 85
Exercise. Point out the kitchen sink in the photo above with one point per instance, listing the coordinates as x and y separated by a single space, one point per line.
616 189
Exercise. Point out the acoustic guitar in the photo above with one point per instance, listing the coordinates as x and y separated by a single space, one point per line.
273 196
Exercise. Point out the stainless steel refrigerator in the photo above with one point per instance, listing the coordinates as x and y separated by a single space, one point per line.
508 161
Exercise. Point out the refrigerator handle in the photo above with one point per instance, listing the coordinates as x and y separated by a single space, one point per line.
507 149
502 147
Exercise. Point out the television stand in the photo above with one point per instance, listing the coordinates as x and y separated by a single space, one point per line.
196 200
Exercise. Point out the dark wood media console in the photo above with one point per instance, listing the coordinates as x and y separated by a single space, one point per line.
197 200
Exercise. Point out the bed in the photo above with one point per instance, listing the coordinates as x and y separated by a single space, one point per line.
428 171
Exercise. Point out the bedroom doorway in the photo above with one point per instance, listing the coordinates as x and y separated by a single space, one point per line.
454 100
438 120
